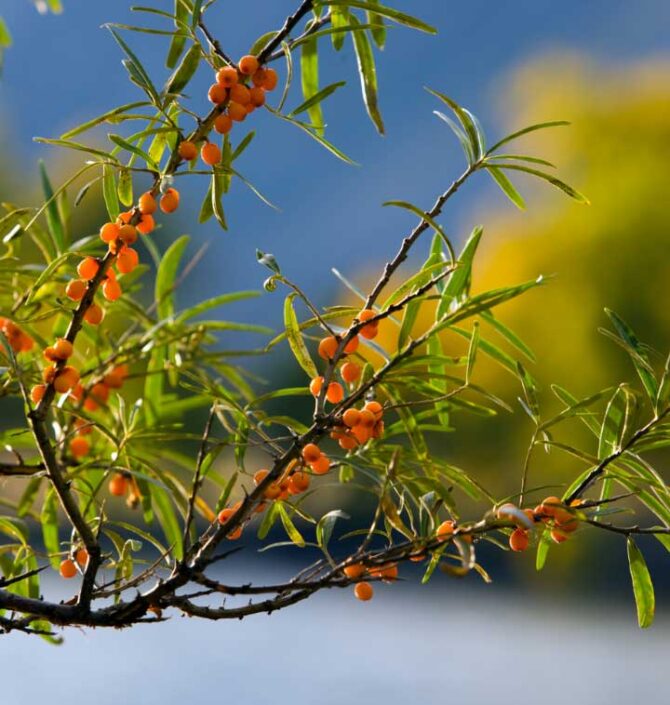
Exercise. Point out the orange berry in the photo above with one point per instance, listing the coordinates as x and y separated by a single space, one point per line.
210 153
223 124
321 465
146 225
352 345
335 393
225 514
559 536
217 94
361 433
389 573
315 386
347 442
118 485
350 372
170 199
445 530
518 540
311 453
299 482
249 108
88 268
37 392
363 591
227 77
351 417
63 349
257 96
270 79
115 378
370 331
67 569
248 65
94 315
109 232
550 506
66 379
237 112
81 556
75 289
127 260
260 476
125 217
375 408
239 93
368 419
79 447
111 290
378 429
147 203
328 347
128 233
354 571
49 374
258 79
50 354
187 150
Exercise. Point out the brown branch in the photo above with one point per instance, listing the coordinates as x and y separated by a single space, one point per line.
289 24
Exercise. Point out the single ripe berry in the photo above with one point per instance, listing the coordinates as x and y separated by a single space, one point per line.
348 442
249 108
361 433
127 260
248 65
350 372
298 483
210 153
351 417
217 94
518 540
79 447
111 290
223 124
75 289
257 96
270 79
311 453
559 536
378 429
374 407
81 556
147 202
321 465
388 573
352 345
328 347
187 150
128 233
227 77
109 232
445 530
88 268
37 392
94 315
315 386
239 93
237 112
170 199
118 485
335 393
370 331
145 226
63 349
363 591
67 569
258 79
66 379
116 378
551 506
367 419
354 571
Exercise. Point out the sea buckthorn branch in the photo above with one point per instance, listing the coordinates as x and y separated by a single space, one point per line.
291 21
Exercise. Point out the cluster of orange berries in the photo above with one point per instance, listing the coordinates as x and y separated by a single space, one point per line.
359 425
18 339
68 567
363 590
552 512
122 484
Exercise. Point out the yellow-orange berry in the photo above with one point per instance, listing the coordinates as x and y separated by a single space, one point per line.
75 289
66 379
388 573
118 485
88 268
210 153
248 65
227 77
239 93
111 290
128 233
145 225
258 79
37 392
347 442
445 530
335 393
321 465
362 433
259 476
127 260
363 591
378 429
116 377
368 419
79 447
354 571
270 79
311 453
249 107
315 386
170 199
237 112
217 94
518 540
374 407
298 482
257 96
350 372
67 569
223 124
109 232
81 556
351 417
50 354
94 315
147 203
352 345
328 347
187 150
63 349
559 536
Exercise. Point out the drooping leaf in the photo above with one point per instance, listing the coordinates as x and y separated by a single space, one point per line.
643 588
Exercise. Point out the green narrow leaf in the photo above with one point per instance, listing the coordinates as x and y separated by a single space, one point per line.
124 144
390 13
109 192
465 118
368 75
550 178
124 188
309 73
458 284
317 98
179 39
339 18
54 224
5 36
525 131
472 352
49 522
168 521
185 71
289 526
218 188
643 588
295 340
507 187
379 31
325 526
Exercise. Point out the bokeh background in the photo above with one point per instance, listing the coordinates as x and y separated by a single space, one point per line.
602 64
